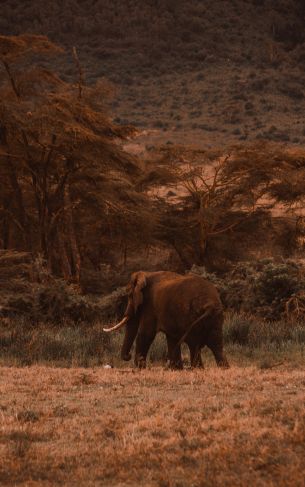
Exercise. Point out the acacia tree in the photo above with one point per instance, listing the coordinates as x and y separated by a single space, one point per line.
228 204
62 170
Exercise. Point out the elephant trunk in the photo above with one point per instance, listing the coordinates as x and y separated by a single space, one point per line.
130 335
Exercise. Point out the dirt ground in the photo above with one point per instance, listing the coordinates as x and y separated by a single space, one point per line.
243 426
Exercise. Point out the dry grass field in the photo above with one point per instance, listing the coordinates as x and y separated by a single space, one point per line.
243 426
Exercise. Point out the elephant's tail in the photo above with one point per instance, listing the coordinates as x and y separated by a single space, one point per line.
201 317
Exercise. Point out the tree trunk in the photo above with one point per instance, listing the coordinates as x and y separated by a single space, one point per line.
203 231
186 258
22 216
75 254
64 259
6 225
17 191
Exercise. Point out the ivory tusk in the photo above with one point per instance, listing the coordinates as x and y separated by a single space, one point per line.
116 327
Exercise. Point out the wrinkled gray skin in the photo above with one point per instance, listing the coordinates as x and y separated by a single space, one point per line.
171 303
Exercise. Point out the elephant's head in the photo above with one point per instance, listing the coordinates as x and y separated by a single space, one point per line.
131 316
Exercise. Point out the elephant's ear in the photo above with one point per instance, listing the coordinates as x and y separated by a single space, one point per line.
140 283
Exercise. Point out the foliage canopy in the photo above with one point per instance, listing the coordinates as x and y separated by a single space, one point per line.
66 183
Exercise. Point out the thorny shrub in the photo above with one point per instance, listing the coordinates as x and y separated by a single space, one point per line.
29 291
263 287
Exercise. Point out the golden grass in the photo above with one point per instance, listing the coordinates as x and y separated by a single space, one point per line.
239 427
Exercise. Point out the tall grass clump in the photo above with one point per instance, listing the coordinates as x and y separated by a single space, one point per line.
254 332
158 351
66 344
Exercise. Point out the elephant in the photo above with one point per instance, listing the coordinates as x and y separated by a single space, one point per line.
187 308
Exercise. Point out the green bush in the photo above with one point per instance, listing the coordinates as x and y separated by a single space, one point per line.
276 282
261 287
58 301
27 290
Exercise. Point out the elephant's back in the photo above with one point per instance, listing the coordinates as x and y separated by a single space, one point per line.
187 287
184 299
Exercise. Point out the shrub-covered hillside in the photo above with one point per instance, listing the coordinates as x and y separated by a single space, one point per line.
221 70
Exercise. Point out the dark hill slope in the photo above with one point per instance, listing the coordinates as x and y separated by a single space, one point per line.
214 71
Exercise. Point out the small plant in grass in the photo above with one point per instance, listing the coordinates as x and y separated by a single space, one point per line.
267 363
20 444
84 379
28 416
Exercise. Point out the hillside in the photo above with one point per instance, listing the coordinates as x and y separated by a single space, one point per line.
212 72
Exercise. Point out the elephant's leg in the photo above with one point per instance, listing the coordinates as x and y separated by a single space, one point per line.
143 343
174 353
215 343
220 358
195 356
